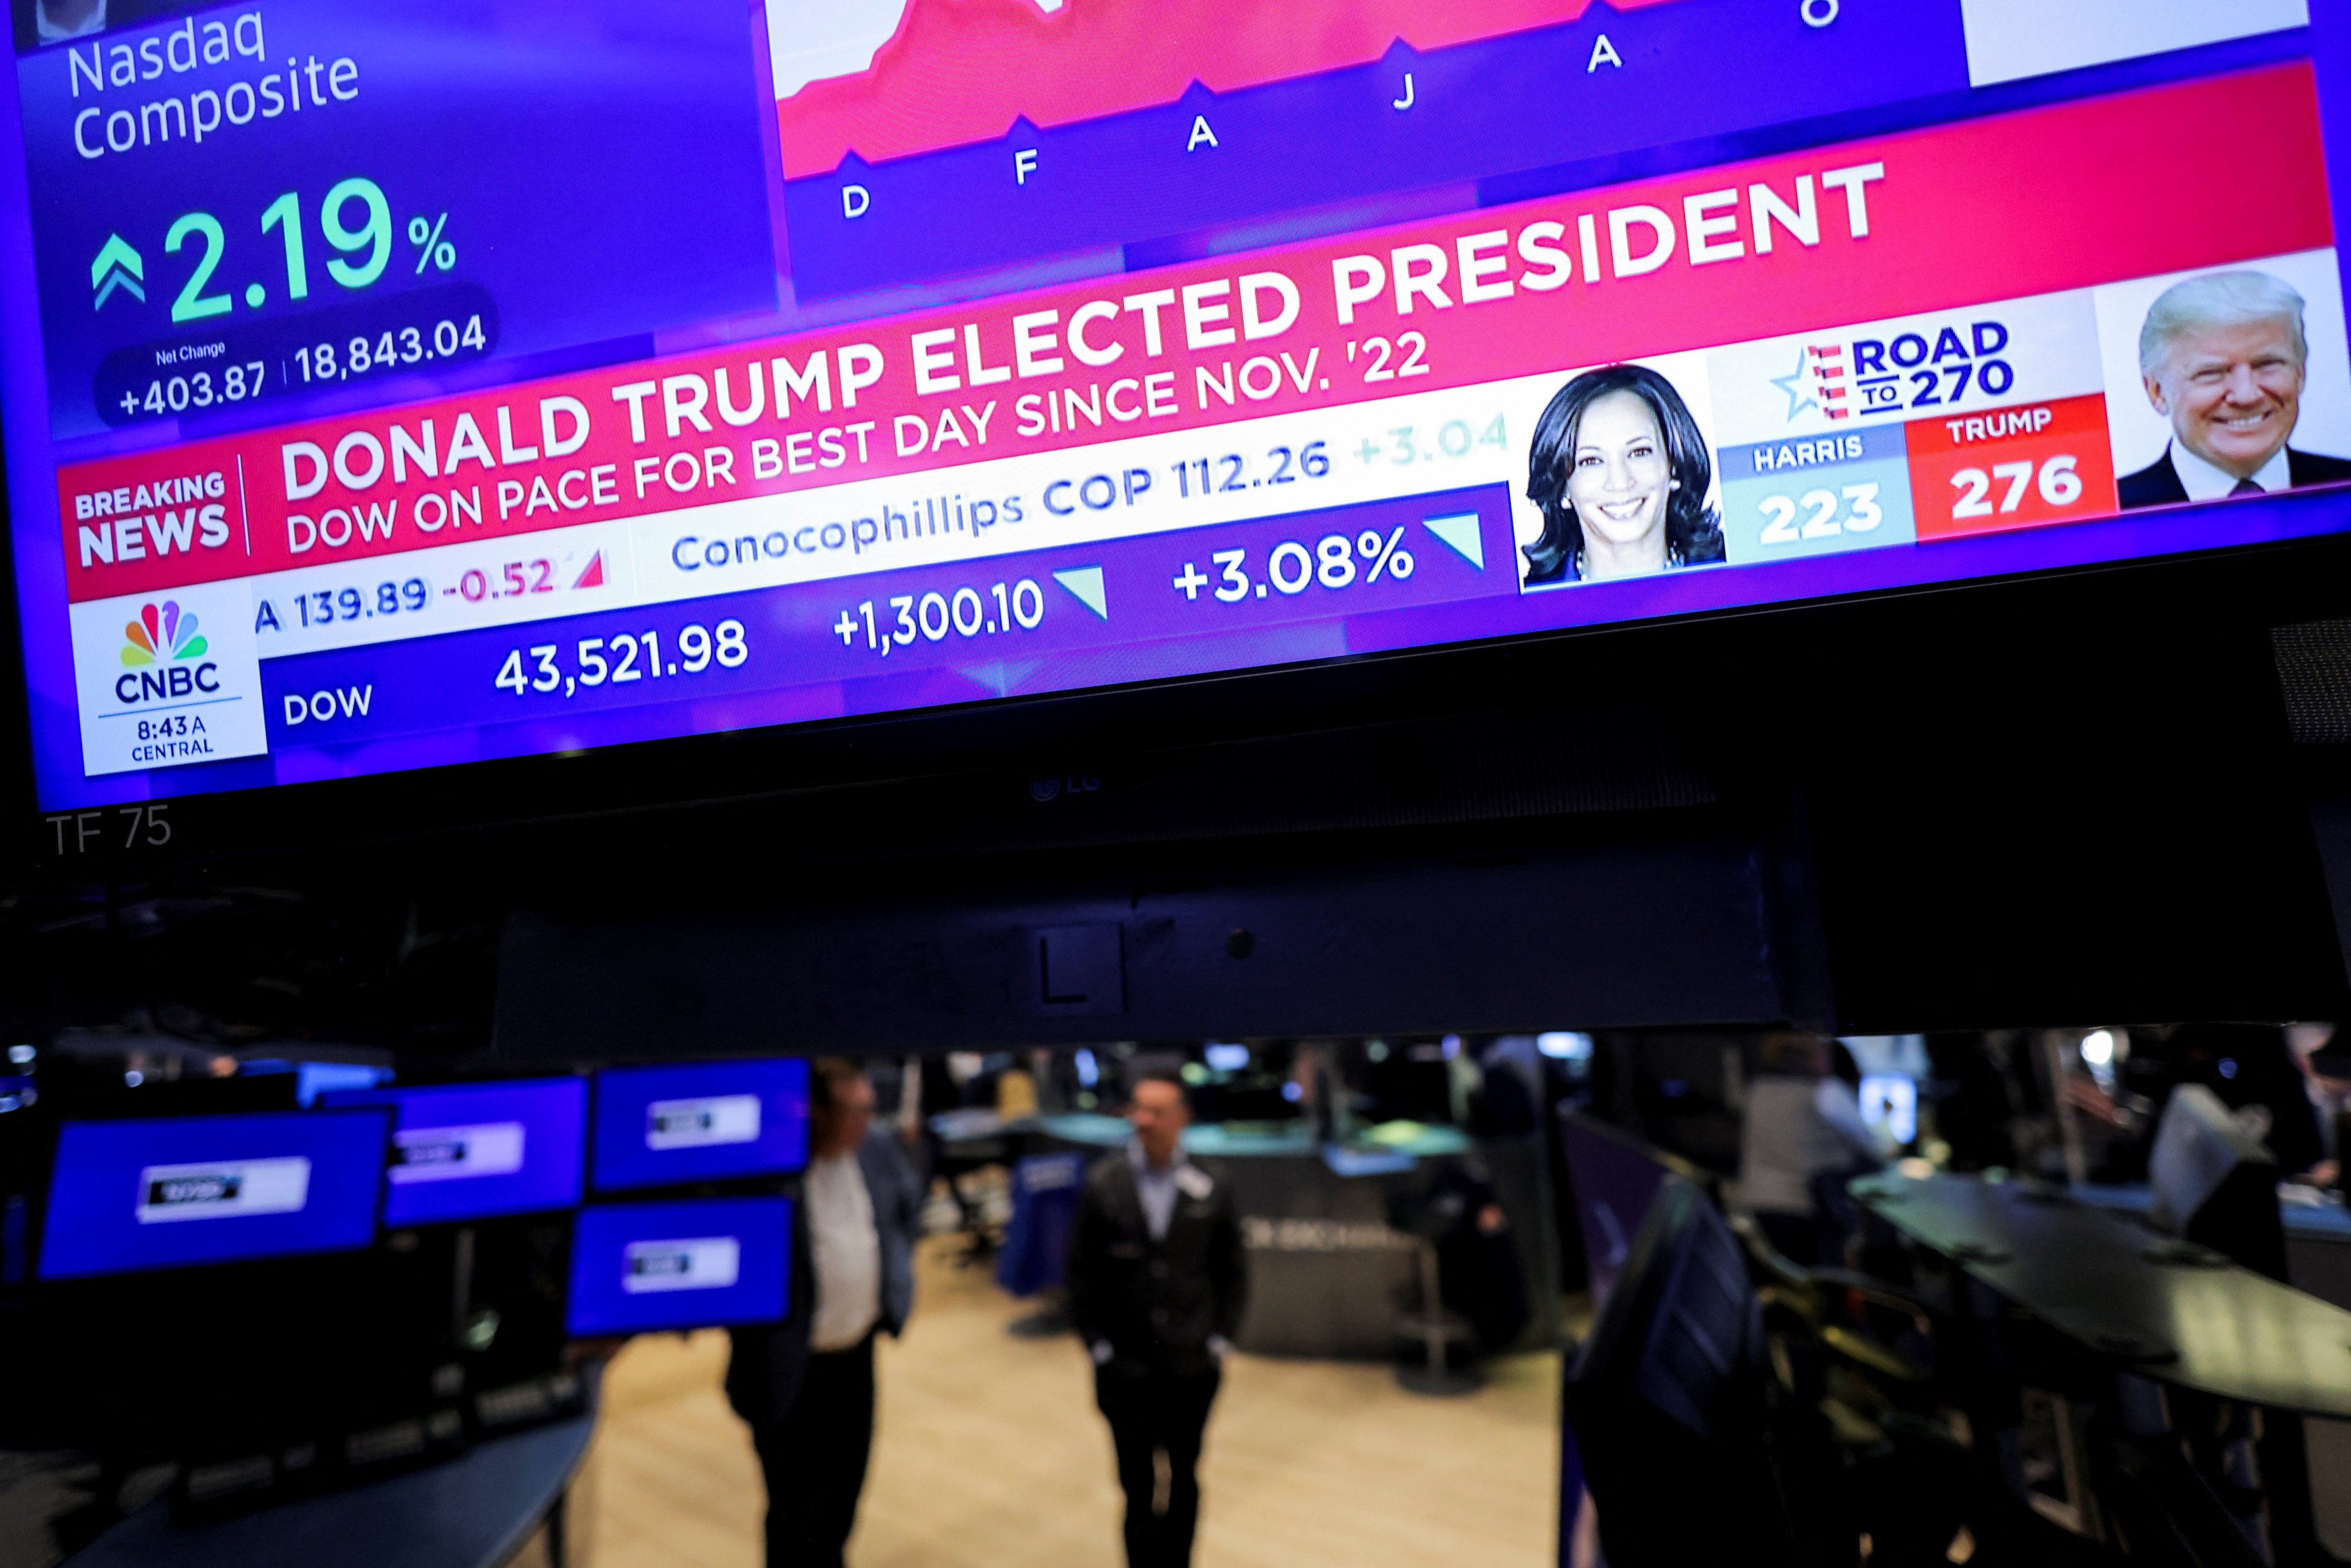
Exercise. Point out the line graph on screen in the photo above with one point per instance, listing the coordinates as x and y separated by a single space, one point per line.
889 79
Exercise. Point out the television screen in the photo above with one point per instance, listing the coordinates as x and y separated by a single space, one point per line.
471 1151
171 1192
658 1126
1614 1178
639 1267
654 370
1889 1103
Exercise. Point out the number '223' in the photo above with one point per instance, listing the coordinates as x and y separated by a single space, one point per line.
1858 501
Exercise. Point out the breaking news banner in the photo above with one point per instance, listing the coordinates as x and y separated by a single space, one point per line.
1860 347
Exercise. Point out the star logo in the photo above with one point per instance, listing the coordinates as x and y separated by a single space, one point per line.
1797 384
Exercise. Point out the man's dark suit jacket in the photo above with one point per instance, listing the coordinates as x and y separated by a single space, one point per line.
1156 1304
763 1375
2157 484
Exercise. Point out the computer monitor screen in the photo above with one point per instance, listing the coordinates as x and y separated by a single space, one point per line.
1889 1103
639 1267
386 387
473 1151
1612 1179
1665 1398
169 1193
657 1127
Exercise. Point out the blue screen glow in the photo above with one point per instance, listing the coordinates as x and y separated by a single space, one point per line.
170 1193
476 1150
640 1267
659 1127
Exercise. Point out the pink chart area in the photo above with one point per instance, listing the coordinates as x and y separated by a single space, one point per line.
958 71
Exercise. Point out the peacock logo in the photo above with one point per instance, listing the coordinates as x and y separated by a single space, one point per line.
169 677
160 636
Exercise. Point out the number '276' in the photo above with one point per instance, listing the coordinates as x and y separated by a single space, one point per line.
2058 484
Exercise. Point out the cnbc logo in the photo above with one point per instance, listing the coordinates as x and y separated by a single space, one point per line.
161 656
168 678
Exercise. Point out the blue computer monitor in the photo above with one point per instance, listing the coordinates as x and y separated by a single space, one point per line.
640 1267
474 1150
659 1127
172 1192
1889 1102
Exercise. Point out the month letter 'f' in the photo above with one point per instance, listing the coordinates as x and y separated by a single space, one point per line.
1024 163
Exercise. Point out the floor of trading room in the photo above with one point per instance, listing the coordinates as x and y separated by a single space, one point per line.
988 1452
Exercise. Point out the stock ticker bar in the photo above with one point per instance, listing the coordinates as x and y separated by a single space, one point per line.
1906 354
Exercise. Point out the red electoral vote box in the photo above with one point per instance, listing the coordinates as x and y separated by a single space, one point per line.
2011 467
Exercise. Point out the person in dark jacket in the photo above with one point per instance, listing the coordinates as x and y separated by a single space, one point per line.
806 1385
1157 1280
2225 359
1621 472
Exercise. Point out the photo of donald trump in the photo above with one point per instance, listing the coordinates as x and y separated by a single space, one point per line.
2224 358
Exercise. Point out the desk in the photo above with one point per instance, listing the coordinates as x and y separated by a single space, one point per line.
2086 1272
474 1512
1210 1140
2317 1237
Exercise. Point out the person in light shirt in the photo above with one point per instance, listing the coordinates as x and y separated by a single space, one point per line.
1804 1121
806 1385
2225 359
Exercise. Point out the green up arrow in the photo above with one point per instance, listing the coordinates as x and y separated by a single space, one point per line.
117 267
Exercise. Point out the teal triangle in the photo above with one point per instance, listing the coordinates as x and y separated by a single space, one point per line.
1463 534
1086 583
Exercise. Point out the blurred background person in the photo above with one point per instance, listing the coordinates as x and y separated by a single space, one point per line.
1973 1106
2328 1093
805 1385
1803 1123
2248 1066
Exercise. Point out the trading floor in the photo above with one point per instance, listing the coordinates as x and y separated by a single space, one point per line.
987 1452
1257 783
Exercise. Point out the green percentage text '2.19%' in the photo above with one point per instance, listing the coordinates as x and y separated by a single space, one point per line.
362 252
